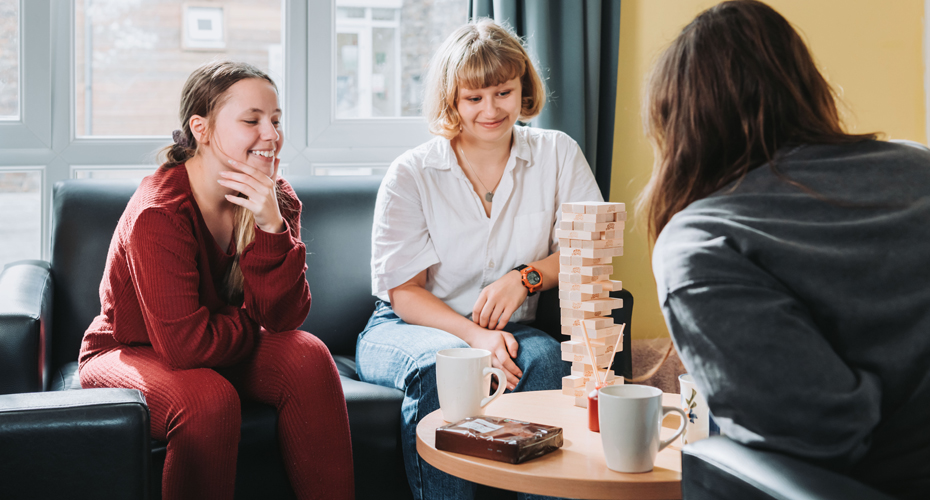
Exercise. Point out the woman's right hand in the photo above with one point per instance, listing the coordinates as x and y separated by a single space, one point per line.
503 348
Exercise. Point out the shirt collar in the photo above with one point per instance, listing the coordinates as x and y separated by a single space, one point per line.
441 156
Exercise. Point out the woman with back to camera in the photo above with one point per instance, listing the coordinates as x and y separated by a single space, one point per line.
791 256
463 232
202 293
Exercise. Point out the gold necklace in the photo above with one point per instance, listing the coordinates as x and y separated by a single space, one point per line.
489 194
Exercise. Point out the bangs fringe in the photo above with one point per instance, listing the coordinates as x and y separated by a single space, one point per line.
485 67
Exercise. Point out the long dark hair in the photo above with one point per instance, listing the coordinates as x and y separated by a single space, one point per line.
735 86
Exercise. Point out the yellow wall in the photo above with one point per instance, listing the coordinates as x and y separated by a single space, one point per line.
871 51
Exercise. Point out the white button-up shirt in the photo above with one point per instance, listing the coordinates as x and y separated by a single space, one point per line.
428 216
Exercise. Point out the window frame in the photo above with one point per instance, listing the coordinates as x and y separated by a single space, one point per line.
44 136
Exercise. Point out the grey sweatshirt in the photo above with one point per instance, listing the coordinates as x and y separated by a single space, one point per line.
806 321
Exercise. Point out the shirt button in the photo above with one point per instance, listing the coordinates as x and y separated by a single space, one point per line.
491 264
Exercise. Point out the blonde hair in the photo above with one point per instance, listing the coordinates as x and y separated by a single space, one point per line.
203 95
478 55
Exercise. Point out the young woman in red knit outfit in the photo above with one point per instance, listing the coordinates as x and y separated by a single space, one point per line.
203 289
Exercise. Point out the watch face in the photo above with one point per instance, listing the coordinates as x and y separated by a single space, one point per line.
533 278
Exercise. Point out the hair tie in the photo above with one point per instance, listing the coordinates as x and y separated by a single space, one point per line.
180 138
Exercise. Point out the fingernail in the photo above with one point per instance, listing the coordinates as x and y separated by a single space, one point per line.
231 162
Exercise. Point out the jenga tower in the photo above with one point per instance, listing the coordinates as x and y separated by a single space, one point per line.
590 236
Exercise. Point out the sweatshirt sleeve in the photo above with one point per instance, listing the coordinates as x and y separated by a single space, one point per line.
770 376
274 268
162 262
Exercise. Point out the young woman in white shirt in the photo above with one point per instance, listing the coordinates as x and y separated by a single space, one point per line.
464 235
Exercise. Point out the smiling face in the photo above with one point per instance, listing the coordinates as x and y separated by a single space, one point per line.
488 114
247 127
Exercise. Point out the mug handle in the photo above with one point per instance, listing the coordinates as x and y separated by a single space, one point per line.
501 384
681 428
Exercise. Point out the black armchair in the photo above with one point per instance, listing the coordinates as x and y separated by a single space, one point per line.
721 469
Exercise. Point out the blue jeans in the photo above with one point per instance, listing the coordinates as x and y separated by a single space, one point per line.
395 354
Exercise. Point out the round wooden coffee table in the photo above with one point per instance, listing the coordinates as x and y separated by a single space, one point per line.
577 470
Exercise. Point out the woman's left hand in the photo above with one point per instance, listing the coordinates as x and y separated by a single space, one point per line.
497 302
260 189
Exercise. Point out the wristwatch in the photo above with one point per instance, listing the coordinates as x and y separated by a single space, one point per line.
531 278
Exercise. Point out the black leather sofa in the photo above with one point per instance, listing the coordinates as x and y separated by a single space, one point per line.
46 306
721 469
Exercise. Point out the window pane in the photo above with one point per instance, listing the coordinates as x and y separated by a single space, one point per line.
20 215
9 59
131 57
382 52
347 75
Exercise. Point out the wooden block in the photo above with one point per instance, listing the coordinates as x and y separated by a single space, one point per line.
580 296
579 261
581 401
592 253
572 381
600 359
605 217
593 323
604 260
578 278
601 336
593 226
574 208
584 369
569 346
578 314
609 235
587 270
608 243
577 235
580 287
597 305
600 207
608 340
609 285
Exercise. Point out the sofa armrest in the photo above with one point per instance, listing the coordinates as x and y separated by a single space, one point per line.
25 326
719 468
92 443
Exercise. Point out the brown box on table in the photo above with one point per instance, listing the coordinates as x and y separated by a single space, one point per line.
497 438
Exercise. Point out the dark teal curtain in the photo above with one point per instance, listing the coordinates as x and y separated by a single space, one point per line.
576 44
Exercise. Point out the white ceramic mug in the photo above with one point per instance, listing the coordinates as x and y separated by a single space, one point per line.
700 422
463 380
630 419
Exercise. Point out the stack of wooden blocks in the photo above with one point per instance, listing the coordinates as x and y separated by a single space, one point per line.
590 236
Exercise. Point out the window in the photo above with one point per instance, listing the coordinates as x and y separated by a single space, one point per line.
382 49
20 214
9 59
131 57
91 89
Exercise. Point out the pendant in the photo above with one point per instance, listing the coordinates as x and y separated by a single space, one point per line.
489 196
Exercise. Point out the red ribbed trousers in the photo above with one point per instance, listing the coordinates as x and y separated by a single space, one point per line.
198 412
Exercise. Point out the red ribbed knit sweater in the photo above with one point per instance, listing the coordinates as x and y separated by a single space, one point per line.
165 270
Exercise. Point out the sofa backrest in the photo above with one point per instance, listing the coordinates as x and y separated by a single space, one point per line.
335 226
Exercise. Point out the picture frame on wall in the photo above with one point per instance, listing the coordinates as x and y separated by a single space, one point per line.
203 27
